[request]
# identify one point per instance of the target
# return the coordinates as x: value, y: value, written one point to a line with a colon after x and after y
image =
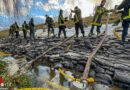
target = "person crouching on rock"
x: 78, y: 21
x: 50, y: 23
x: 32, y: 31
x: 100, y: 11
x: 16, y: 29
x: 25, y: 28
x: 61, y: 24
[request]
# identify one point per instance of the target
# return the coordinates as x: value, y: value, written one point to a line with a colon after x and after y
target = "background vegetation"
x: 16, y: 81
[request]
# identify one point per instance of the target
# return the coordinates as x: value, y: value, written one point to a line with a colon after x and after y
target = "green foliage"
x: 19, y: 81
x: 2, y: 67
x: 22, y: 81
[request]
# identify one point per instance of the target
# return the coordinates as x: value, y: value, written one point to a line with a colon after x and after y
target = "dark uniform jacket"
x: 77, y: 16
x: 50, y: 22
x: 126, y: 6
x: 25, y: 27
x: 61, y: 20
x: 31, y: 26
x: 16, y: 27
x: 11, y: 30
x: 100, y: 11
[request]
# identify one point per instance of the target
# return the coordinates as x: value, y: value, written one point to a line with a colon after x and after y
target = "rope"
x: 24, y: 58
x: 68, y: 48
x: 115, y: 33
x: 90, y: 80
x: 35, y: 89
x: 50, y: 49
x: 55, y: 85
x: 7, y: 55
x: 87, y: 68
x: 4, y: 54
x: 41, y: 34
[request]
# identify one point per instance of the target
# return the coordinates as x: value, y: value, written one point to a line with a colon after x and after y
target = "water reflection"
x: 48, y: 77
x: 51, y: 73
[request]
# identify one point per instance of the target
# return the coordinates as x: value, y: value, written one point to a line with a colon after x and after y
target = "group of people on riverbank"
x: 14, y: 29
x: 100, y: 11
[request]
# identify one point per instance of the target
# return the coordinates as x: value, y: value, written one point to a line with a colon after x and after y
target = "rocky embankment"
x: 111, y: 65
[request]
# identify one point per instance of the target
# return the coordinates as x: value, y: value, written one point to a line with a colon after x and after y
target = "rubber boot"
x: 83, y: 35
x: 90, y: 34
x: 98, y: 34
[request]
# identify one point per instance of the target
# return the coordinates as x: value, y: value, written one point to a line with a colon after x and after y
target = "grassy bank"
x: 70, y: 23
x: 16, y: 81
x: 4, y: 33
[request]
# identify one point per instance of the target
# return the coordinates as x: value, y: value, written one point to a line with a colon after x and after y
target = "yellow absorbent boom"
x: 90, y: 80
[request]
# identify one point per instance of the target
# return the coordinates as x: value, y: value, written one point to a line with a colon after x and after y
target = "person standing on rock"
x: 25, y: 28
x: 11, y: 30
x: 16, y: 29
x: 50, y: 23
x: 61, y: 24
x: 100, y: 11
x: 32, y: 31
x: 126, y: 17
x: 78, y: 21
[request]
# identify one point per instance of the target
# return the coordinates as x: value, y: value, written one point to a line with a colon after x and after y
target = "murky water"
x: 48, y: 77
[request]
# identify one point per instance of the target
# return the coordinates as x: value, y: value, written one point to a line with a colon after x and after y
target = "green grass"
x: 87, y: 22
x: 16, y: 81
x: 3, y: 65
x: 4, y: 33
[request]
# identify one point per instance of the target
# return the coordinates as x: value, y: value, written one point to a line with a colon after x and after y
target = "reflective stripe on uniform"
x: 16, y: 29
x: 121, y: 19
x: 24, y: 28
x: 99, y: 11
x: 77, y: 20
x: 97, y: 24
x: 61, y: 19
x: 127, y: 17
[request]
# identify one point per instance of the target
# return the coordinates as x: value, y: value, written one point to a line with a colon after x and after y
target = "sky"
x: 39, y: 8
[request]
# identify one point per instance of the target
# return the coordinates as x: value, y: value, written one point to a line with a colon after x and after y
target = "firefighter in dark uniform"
x: 16, y: 29
x: 25, y: 28
x: 61, y: 24
x: 32, y: 30
x: 11, y: 30
x: 78, y: 21
x: 126, y: 17
x: 100, y: 11
x: 50, y: 23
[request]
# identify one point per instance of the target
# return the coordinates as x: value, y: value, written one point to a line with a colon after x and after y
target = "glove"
x: 65, y: 26
x: 114, y: 11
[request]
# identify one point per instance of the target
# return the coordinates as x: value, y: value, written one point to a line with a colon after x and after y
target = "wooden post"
x: 43, y: 54
x: 87, y: 68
